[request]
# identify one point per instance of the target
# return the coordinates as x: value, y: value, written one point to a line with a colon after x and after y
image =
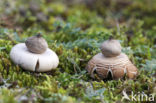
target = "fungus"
x: 113, y: 61
x: 36, y: 44
x: 110, y: 48
x: 34, y: 55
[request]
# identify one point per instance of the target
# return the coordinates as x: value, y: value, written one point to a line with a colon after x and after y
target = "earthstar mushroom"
x: 34, y: 55
x: 111, y: 60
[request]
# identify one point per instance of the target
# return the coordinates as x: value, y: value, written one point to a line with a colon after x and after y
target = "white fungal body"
x: 34, y: 62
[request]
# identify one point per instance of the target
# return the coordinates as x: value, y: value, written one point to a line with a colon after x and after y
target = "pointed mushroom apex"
x: 36, y: 44
x: 111, y: 37
x: 39, y: 35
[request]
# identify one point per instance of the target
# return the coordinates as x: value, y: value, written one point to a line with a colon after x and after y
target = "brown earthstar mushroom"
x: 111, y: 60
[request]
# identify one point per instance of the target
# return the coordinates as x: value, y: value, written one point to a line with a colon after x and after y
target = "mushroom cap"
x: 36, y: 44
x: 118, y: 66
x: 111, y: 48
x: 34, y: 62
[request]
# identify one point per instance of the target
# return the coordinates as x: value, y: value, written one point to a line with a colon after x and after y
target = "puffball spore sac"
x: 36, y: 44
x: 111, y: 48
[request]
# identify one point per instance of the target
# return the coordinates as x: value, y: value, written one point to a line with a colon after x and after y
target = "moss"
x: 75, y: 32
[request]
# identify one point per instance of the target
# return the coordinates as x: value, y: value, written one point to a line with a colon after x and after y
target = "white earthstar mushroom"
x: 44, y: 62
x: 34, y: 55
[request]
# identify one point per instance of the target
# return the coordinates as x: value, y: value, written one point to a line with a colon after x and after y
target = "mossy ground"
x: 74, y: 30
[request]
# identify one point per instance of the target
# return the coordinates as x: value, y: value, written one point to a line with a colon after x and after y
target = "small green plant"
x: 74, y: 30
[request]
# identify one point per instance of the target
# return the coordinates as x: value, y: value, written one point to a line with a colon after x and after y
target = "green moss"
x: 75, y: 33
